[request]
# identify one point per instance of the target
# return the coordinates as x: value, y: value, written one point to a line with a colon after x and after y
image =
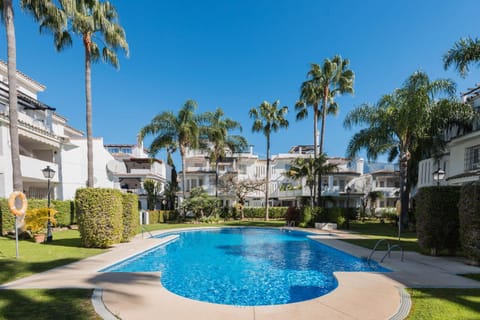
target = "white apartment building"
x: 46, y: 139
x: 132, y: 165
x: 284, y: 191
x: 461, y: 159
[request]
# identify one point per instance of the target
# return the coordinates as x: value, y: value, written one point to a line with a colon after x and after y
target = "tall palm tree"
x: 172, y: 131
x: 308, y: 169
x: 324, y: 83
x: 96, y: 22
x: 401, y: 122
x: 217, y: 132
x: 463, y: 53
x: 7, y: 17
x: 268, y: 118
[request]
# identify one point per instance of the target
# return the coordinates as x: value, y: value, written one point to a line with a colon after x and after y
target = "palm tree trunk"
x: 12, y: 97
x: 88, y: 103
x: 267, y: 185
x: 216, y: 179
x: 315, y: 150
x: 403, y: 222
x: 322, y: 134
x: 182, y: 155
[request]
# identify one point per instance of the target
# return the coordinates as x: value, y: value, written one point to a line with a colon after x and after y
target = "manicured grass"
x: 252, y: 223
x: 474, y: 276
x: 37, y: 257
x: 451, y: 304
x: 374, y: 230
x: 46, y: 304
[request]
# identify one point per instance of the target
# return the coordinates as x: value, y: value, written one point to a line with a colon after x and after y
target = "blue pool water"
x: 245, y: 266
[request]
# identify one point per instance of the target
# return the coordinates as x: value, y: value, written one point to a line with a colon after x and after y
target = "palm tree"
x: 324, y: 84
x: 7, y: 17
x: 308, y: 169
x: 91, y: 20
x: 463, y: 53
x: 172, y: 131
x: 267, y: 118
x: 401, y: 122
x: 217, y: 132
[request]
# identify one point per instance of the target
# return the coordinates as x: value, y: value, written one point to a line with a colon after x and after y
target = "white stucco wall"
x: 74, y: 167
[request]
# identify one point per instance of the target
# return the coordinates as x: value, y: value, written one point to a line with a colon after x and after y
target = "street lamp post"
x: 348, y: 207
x: 48, y: 173
x: 438, y: 175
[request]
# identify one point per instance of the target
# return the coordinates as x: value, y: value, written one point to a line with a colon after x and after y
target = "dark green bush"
x: 437, y: 218
x: 99, y: 216
x: 469, y: 216
x: 7, y: 220
x: 259, y: 212
x: 333, y: 215
x: 293, y: 214
x: 130, y: 216
x: 307, y: 217
x: 65, y: 212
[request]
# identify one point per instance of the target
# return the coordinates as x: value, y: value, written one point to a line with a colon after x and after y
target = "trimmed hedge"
x: 65, y: 212
x: 99, y: 216
x: 7, y: 220
x: 273, y: 212
x: 469, y: 216
x: 162, y: 216
x: 437, y: 218
x: 334, y: 215
x: 130, y: 216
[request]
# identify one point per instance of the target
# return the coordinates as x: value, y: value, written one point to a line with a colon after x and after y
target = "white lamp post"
x: 48, y: 173
x: 438, y: 175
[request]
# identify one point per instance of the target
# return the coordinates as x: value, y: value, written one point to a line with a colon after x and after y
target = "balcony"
x: 32, y: 168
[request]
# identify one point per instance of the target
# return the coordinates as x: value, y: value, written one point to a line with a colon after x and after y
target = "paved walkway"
x: 360, y: 295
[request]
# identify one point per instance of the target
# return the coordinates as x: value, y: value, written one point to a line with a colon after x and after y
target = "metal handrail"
x: 390, y: 249
x: 144, y: 230
x: 375, y: 248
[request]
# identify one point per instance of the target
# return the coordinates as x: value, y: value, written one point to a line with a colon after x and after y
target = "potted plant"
x: 36, y: 222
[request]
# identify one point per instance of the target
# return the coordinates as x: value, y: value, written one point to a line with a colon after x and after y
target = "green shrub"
x: 65, y: 212
x: 469, y: 216
x: 332, y: 215
x: 437, y: 218
x: 99, y: 216
x: 130, y: 216
x: 307, y: 217
x: 7, y: 219
x: 259, y: 212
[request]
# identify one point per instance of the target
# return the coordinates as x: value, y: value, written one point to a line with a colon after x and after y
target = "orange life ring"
x: 11, y: 203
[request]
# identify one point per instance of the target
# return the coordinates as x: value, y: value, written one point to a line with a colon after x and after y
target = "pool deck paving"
x: 359, y: 295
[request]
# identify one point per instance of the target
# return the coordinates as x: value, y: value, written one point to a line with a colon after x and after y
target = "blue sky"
x: 236, y: 54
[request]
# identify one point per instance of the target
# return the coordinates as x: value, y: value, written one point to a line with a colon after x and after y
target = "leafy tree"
x: 200, y: 203
x: 230, y: 184
x: 324, y: 83
x: 404, y: 121
x: 171, y: 188
x: 175, y: 131
x: 463, y: 53
x: 217, y: 132
x: 308, y: 169
x: 152, y: 189
x: 374, y: 196
x: 96, y: 22
x: 267, y: 118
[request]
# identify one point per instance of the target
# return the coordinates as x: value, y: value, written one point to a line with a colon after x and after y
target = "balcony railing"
x: 32, y: 168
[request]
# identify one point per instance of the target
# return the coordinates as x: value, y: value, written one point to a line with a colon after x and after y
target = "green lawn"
x: 374, y: 230
x: 37, y: 257
x: 75, y: 304
x: 448, y: 304
x: 40, y: 304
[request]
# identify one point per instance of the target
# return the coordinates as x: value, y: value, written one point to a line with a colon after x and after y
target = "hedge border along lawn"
x: 40, y: 304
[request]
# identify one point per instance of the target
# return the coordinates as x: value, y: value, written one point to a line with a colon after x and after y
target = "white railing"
x: 32, y: 168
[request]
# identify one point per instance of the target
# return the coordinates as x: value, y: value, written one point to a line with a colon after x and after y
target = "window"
x: 472, y: 158
x: 126, y: 150
x: 113, y: 150
x: 382, y: 184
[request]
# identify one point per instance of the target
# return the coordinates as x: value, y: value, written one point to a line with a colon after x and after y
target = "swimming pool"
x: 245, y: 266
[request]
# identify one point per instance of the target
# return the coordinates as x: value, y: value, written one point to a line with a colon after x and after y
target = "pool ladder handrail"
x: 389, y: 249
x: 145, y: 230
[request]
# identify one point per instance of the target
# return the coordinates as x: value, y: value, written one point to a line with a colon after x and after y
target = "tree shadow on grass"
x: 15, y: 269
x: 42, y: 304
